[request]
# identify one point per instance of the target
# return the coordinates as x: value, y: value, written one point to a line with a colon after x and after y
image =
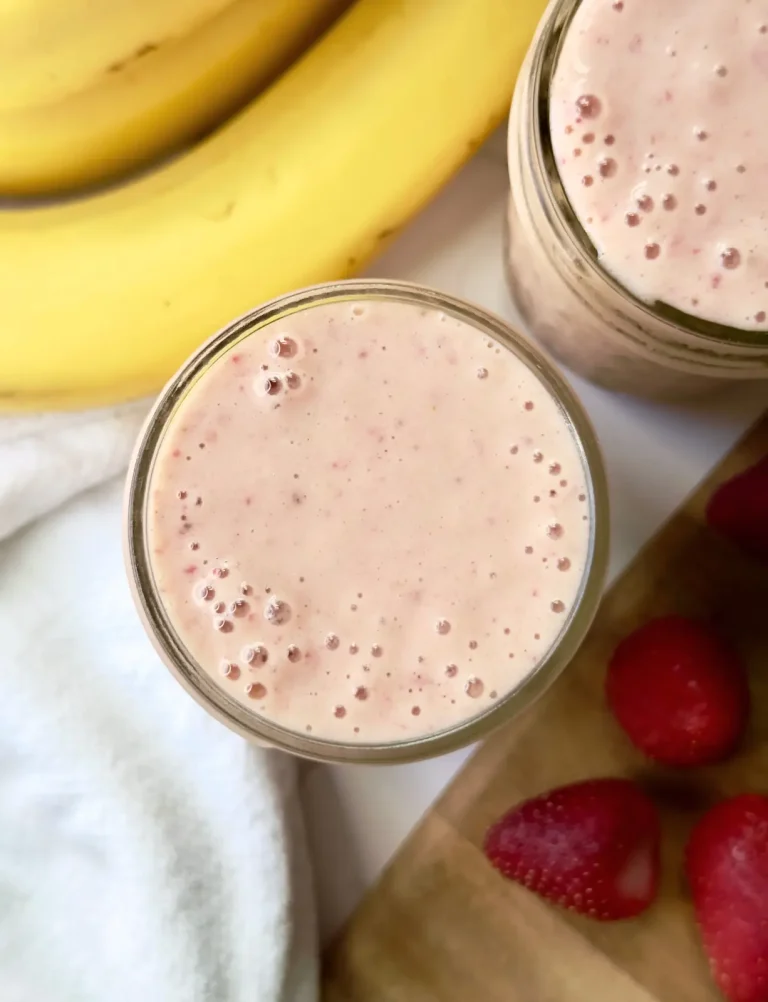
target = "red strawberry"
x: 591, y: 847
x: 679, y: 692
x: 727, y: 867
x: 739, y: 509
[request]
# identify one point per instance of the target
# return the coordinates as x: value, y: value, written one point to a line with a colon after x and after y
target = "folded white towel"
x: 146, y: 853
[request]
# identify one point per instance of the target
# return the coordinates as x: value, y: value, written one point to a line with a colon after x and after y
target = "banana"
x: 101, y: 299
x: 91, y: 90
x: 51, y: 49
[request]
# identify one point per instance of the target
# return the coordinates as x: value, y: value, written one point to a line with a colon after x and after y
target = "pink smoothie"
x: 657, y: 112
x: 368, y: 522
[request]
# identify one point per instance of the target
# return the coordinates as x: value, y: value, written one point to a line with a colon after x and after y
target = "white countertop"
x: 655, y: 454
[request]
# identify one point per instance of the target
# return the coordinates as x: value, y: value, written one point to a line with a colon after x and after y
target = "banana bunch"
x: 90, y: 89
x: 101, y: 298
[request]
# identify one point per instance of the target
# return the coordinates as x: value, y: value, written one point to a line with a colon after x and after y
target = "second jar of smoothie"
x: 638, y: 220
x: 366, y: 522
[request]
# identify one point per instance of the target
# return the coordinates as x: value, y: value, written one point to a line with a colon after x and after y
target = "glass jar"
x: 199, y: 682
x: 567, y: 299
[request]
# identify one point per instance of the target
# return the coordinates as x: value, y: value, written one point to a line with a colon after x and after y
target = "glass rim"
x: 203, y: 687
x: 544, y: 56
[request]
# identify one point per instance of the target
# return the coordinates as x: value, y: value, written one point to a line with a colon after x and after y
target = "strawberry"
x: 679, y: 692
x: 591, y: 847
x: 727, y: 867
x: 739, y: 510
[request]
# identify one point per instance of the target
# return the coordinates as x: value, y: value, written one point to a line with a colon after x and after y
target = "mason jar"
x: 571, y: 303
x: 304, y: 327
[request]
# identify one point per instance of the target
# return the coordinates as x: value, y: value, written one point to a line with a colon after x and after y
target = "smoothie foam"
x: 368, y: 522
x: 657, y: 124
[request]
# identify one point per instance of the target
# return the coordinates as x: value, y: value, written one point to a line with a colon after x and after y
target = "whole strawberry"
x: 739, y: 510
x: 679, y: 692
x: 727, y: 867
x: 591, y: 847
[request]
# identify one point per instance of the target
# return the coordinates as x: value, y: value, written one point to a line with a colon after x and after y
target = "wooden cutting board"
x: 442, y: 926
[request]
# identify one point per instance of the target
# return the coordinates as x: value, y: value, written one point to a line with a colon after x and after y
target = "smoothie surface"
x: 368, y: 522
x: 657, y: 115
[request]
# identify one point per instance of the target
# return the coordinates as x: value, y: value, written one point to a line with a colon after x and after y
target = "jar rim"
x: 197, y: 681
x: 544, y: 56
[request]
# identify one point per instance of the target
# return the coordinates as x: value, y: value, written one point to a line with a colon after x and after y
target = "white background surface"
x: 655, y: 454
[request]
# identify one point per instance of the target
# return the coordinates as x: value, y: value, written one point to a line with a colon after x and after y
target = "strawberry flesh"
x: 591, y: 847
x: 679, y: 692
x: 739, y: 510
x: 727, y: 868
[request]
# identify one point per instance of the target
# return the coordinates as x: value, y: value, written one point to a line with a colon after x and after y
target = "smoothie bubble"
x: 588, y: 106
x: 269, y: 386
x: 276, y: 611
x: 474, y: 688
x: 230, y: 670
x: 255, y: 656
x: 283, y: 347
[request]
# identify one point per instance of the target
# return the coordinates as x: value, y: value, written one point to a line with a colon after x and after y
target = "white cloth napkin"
x: 146, y: 853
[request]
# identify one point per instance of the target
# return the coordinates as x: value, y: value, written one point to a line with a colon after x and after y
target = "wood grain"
x: 442, y: 926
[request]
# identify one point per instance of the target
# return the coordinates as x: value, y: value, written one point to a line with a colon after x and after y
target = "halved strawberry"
x: 591, y: 847
x: 739, y: 510
x: 727, y: 867
x: 679, y: 691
